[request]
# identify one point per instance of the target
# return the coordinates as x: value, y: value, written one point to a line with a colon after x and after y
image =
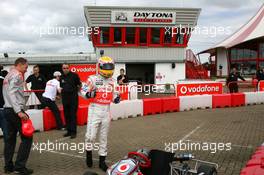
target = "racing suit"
x: 99, y: 110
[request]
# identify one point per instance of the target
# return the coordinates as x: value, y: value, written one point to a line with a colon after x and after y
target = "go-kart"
x: 156, y: 162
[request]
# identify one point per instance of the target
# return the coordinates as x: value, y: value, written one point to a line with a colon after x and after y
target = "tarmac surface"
x: 236, y: 132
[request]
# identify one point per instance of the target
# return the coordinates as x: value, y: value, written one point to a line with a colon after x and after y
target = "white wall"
x: 222, y: 60
x: 143, y: 54
x: 168, y: 74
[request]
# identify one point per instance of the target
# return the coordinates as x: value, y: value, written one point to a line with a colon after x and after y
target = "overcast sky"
x: 22, y: 21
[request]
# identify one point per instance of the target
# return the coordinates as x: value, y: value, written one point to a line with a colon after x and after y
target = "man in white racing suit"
x: 101, y: 88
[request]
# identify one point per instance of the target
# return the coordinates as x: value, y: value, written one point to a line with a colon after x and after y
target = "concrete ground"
x: 240, y: 129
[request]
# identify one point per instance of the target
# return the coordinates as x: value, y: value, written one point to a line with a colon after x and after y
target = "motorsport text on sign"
x: 143, y: 17
x: 199, y: 89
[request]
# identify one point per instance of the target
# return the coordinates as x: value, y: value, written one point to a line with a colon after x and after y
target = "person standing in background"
x: 232, y: 80
x: 49, y: 97
x: 38, y: 82
x: 14, y: 112
x: 122, y: 78
x: 259, y: 76
x: 71, y: 84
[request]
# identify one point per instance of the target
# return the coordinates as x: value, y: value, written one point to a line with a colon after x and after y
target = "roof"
x: 100, y: 16
x: 50, y: 58
x: 253, y: 29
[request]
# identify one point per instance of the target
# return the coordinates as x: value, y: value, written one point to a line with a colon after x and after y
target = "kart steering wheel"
x: 143, y: 160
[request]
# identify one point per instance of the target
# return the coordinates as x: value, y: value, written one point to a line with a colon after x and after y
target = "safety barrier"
x: 170, y: 104
x: 238, y: 99
x: 82, y: 115
x: 36, y: 117
x: 117, y: 111
x: 253, y: 98
x: 255, y: 166
x: 133, y: 108
x: 49, y: 121
x: 195, y: 102
x: 221, y: 100
x: 152, y: 106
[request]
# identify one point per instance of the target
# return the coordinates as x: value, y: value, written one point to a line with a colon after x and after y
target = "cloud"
x: 21, y: 21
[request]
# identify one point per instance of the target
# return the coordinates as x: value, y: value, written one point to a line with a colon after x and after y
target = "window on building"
x: 261, y: 50
x: 143, y: 35
x: 234, y: 54
x: 240, y: 54
x: 118, y: 35
x: 155, y: 36
x: 179, y: 36
x: 104, y: 35
x: 246, y: 68
x: 168, y: 36
x: 130, y: 35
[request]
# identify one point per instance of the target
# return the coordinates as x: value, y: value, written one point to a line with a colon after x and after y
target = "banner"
x: 143, y: 17
x: 84, y: 71
x: 198, y: 89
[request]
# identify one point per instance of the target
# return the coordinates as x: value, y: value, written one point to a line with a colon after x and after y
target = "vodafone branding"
x: 83, y: 69
x: 199, y: 89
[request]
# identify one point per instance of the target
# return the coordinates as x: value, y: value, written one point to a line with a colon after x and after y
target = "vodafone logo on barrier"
x: 199, y: 89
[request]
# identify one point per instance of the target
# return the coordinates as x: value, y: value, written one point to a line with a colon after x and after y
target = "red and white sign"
x: 143, y: 17
x: 199, y: 89
x: 84, y: 71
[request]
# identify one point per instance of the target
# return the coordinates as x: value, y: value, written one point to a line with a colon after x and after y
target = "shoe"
x: 24, y: 171
x: 9, y: 170
x: 102, y: 164
x: 89, y: 159
x: 67, y: 135
x: 73, y: 136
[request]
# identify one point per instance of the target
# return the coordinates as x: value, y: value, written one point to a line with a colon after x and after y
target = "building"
x: 145, y: 41
x: 48, y: 62
x: 243, y: 50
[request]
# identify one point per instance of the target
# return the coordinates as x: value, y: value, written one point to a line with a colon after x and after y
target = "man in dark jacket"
x: 232, y: 80
x: 70, y: 84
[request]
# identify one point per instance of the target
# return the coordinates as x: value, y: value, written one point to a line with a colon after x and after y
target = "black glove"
x: 90, y: 94
x: 117, y: 99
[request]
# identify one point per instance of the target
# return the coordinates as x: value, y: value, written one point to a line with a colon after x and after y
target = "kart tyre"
x: 90, y: 173
x: 206, y: 170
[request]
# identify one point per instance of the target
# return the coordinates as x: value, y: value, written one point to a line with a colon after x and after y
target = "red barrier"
x: 49, y: 121
x: 152, y: 106
x: 238, y: 99
x: 82, y: 115
x: 261, y: 85
x: 221, y: 100
x: 170, y: 104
